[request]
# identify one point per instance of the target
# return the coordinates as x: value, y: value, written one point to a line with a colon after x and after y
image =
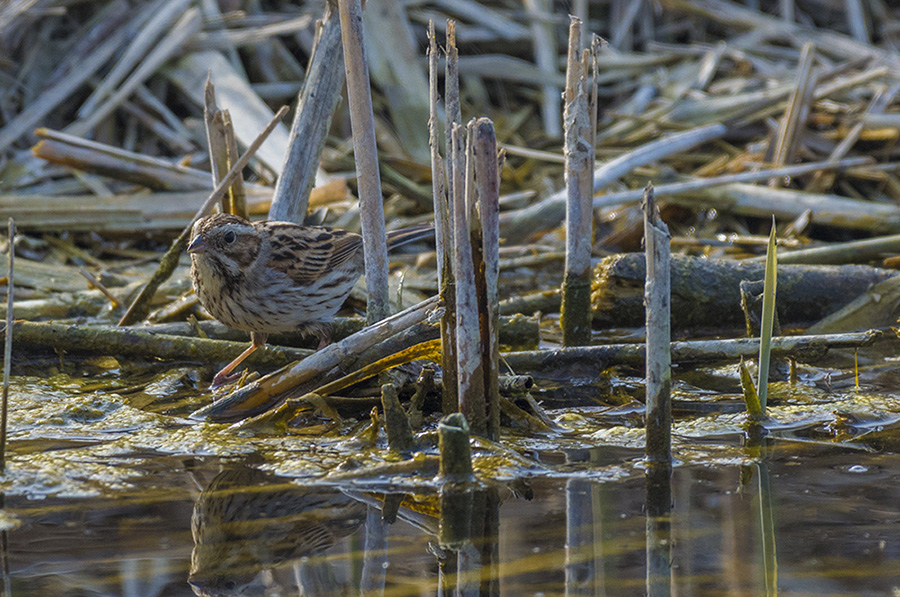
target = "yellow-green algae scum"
x: 77, y: 438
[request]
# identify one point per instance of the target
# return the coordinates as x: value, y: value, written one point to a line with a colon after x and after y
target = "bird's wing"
x: 306, y: 253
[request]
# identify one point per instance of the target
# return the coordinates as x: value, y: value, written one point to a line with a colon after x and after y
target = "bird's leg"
x: 257, y: 340
x: 322, y: 331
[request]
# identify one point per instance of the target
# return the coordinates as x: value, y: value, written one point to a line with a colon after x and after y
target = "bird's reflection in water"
x: 247, y: 521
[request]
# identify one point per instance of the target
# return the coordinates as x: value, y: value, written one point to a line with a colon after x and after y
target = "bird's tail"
x: 411, y: 234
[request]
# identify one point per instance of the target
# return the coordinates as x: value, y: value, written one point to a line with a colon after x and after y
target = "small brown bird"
x: 265, y: 277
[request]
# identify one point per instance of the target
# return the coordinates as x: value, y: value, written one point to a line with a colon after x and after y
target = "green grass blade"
x: 768, y: 319
x: 751, y: 397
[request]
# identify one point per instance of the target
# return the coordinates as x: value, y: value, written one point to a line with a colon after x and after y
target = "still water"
x: 110, y: 490
x: 809, y: 521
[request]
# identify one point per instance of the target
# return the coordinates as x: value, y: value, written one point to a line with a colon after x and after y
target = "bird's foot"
x: 222, y: 378
x: 322, y: 331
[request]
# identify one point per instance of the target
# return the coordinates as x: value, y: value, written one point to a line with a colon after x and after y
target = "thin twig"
x: 7, y: 346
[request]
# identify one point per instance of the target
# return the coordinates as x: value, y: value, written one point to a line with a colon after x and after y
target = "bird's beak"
x: 198, y: 245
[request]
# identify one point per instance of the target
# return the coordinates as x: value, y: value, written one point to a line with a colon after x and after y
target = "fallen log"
x: 706, y: 292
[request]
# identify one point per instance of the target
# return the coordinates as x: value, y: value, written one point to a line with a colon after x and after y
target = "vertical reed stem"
x: 579, y: 150
x: 487, y: 265
x: 468, y: 335
x: 443, y: 219
x: 223, y: 151
x: 362, y: 122
x: 657, y: 299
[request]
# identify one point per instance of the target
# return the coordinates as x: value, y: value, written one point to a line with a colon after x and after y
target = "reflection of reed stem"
x: 659, y: 529
x: 767, y: 526
x: 581, y: 571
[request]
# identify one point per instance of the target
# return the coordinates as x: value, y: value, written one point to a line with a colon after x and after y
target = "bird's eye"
x: 230, y: 236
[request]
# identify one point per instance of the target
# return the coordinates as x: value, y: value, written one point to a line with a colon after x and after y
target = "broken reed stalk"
x: 140, y: 307
x: 7, y: 345
x: 576, y: 289
x: 396, y: 423
x: 469, y: 366
x: 179, y: 340
x: 222, y: 151
x: 487, y: 264
x: 456, y: 457
x: 283, y: 383
x: 425, y: 385
x: 597, y: 46
x: 657, y: 297
x: 365, y: 150
x: 317, y: 101
x: 443, y: 232
x: 599, y: 357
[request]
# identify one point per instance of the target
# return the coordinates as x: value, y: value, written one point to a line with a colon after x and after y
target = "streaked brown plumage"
x: 265, y: 277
